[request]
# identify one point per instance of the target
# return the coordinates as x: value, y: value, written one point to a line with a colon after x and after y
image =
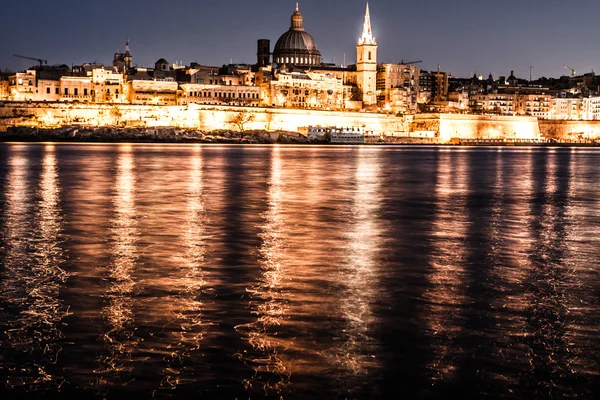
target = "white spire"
x: 367, y: 35
x: 297, y: 7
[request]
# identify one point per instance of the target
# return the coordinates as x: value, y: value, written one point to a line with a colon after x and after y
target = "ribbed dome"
x: 296, y: 46
x: 296, y: 41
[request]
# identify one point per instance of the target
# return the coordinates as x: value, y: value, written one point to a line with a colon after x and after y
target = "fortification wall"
x: 570, y: 130
x: 440, y: 128
x: 201, y: 117
x: 448, y: 126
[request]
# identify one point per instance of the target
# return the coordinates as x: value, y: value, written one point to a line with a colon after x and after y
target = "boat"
x: 337, y: 135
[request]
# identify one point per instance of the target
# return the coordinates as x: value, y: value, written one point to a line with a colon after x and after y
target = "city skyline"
x: 515, y: 37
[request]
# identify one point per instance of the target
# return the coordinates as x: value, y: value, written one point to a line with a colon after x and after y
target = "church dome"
x: 296, y: 46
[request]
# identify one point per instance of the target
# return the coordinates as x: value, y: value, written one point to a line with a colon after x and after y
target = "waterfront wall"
x: 570, y: 130
x: 201, y: 117
x: 445, y: 127
x: 438, y: 128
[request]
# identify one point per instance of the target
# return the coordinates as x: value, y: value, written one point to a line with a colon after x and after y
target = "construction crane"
x: 573, y: 73
x: 409, y: 62
x: 39, y: 60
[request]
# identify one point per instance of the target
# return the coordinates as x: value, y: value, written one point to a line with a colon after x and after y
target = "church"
x: 298, y: 77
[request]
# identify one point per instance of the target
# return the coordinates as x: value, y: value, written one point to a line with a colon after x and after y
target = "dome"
x: 296, y: 46
x: 300, y: 41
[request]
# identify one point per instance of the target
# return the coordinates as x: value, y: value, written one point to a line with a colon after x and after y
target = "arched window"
x: 369, y: 56
x: 287, y: 60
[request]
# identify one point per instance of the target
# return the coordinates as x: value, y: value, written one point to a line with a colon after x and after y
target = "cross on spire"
x: 367, y: 35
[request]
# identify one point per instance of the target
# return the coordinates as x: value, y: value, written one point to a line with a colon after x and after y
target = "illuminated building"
x: 398, y: 87
x: 366, y: 63
x: 4, y: 93
x: 108, y: 85
x: 433, y: 86
x: 300, y: 80
x: 307, y: 89
x: 162, y: 93
x: 512, y: 101
x: 76, y: 88
x: 576, y: 108
x: 296, y: 46
x: 22, y: 86
x: 194, y: 93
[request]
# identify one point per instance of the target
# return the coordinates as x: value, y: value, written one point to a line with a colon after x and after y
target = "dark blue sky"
x: 463, y: 36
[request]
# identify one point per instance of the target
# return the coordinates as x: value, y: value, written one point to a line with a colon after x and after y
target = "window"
x: 66, y: 91
x: 56, y: 91
x: 107, y: 91
x: 85, y: 91
x: 47, y: 90
x: 369, y: 56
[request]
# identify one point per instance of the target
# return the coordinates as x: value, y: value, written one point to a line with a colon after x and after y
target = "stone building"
x: 575, y: 108
x: 108, y: 85
x: 366, y: 63
x: 433, y: 86
x: 308, y: 89
x: 512, y: 103
x: 152, y: 92
x: 163, y: 71
x: 22, y: 86
x: 123, y: 61
x: 239, y: 95
x: 296, y: 53
x: 296, y: 46
x: 48, y: 90
x: 4, y: 93
x: 398, y: 87
x: 76, y: 88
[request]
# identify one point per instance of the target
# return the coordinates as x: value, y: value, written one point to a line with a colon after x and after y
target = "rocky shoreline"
x: 148, y: 135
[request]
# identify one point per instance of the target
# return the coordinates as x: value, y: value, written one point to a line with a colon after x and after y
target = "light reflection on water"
x: 446, y: 294
x: 357, y: 352
x: 32, y: 275
x: 267, y: 300
x: 120, y: 337
x: 299, y: 272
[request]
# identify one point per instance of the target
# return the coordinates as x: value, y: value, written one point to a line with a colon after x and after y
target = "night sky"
x: 466, y: 36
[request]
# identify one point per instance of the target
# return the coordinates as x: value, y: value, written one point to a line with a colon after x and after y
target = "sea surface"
x: 202, y: 271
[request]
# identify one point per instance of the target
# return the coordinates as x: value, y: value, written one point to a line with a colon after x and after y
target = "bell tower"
x: 366, y: 63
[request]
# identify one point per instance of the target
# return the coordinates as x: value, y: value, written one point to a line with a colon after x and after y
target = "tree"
x: 116, y: 114
x: 240, y: 120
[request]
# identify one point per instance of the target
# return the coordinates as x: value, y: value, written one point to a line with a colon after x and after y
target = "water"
x: 298, y: 272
